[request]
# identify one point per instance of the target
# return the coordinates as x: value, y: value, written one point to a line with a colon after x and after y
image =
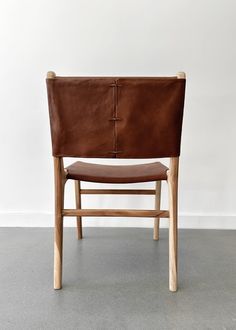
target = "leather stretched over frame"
x: 117, y: 173
x: 109, y: 117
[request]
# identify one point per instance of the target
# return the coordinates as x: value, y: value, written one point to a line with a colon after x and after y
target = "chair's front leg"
x: 157, y: 207
x: 172, y: 180
x: 58, y: 229
x: 78, y: 206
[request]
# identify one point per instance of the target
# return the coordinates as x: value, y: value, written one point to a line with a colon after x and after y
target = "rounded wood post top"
x: 51, y: 75
x: 181, y: 75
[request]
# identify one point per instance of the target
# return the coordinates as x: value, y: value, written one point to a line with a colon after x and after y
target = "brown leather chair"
x: 116, y: 117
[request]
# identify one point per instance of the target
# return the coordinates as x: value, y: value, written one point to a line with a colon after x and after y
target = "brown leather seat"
x: 117, y: 173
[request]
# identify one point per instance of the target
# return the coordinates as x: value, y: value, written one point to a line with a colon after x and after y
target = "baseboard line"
x: 45, y: 219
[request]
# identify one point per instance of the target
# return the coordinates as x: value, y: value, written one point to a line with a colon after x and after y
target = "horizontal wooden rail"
x: 118, y: 191
x: 115, y: 213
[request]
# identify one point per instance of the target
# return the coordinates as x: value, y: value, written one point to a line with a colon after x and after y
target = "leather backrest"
x: 124, y: 117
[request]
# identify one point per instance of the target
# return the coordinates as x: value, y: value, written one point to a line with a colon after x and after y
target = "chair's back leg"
x: 157, y: 207
x: 58, y: 229
x: 78, y: 206
x: 172, y: 179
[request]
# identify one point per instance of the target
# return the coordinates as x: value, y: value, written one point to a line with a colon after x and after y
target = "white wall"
x: 123, y: 37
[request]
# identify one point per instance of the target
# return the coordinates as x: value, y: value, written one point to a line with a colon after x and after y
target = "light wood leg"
x: 78, y: 206
x: 173, y: 223
x: 58, y: 230
x: 157, y: 207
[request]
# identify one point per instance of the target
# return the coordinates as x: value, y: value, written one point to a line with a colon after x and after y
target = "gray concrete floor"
x: 117, y: 278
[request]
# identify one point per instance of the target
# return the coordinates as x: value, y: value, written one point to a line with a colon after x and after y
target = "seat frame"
x: 60, y: 176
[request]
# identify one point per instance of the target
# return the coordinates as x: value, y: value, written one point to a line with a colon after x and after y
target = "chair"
x: 116, y: 117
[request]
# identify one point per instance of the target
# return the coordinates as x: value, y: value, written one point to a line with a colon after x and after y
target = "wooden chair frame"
x: 157, y: 213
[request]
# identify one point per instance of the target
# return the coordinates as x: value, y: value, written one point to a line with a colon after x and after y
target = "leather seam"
x: 115, y: 117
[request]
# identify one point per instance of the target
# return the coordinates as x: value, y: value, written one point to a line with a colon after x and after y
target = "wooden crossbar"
x: 118, y: 191
x: 115, y: 213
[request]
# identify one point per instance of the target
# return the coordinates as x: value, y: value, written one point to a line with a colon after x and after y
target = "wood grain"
x: 78, y: 206
x: 157, y: 207
x: 59, y: 180
x: 115, y: 213
x: 118, y: 191
x: 172, y: 179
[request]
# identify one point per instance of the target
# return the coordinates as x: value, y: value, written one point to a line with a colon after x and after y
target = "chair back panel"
x: 107, y: 117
